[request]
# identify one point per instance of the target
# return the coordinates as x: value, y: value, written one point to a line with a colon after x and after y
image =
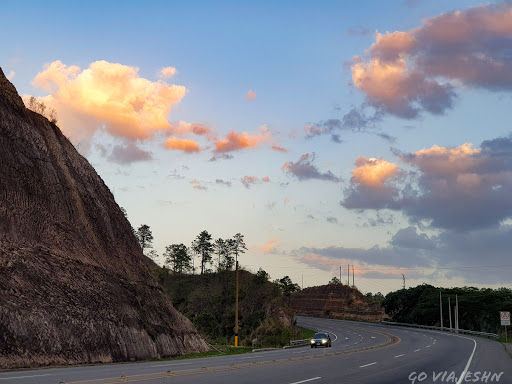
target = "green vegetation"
x: 479, y: 309
x: 208, y: 300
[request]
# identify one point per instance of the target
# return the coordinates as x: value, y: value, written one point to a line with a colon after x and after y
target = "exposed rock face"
x: 335, y: 301
x: 74, y: 284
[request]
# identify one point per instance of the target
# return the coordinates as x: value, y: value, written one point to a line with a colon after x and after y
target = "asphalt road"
x: 360, y: 353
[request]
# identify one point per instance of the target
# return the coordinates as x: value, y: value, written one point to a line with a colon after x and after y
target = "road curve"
x: 360, y: 353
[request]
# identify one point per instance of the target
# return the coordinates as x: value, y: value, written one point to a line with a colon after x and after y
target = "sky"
x: 371, y: 134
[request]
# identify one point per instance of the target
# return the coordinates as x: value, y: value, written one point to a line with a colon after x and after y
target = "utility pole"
x: 236, y: 308
x: 340, y: 275
x: 403, y: 277
x: 348, y: 275
x: 353, y: 281
x: 302, y: 281
x: 441, y: 307
x: 450, y: 313
x: 457, y: 313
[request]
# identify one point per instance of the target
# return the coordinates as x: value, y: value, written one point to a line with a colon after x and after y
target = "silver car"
x: 321, y: 340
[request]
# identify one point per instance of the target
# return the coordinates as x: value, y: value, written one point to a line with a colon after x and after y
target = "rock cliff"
x: 74, y: 284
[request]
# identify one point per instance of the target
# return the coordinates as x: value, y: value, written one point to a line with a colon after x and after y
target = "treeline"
x: 479, y: 309
x: 180, y: 259
x: 41, y: 108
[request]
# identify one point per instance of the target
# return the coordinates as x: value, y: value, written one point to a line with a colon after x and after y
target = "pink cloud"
x: 107, y: 95
x: 198, y: 185
x: 249, y: 96
x: 167, y: 72
x: 373, y: 172
x: 248, y: 181
x: 266, y: 179
x: 401, y: 72
x: 236, y: 141
x: 270, y: 246
x: 184, y: 145
x: 279, y: 149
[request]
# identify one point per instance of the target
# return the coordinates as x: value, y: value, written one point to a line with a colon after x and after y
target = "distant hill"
x: 336, y: 301
x: 74, y: 284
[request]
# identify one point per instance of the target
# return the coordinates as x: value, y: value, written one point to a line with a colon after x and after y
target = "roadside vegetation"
x: 479, y: 309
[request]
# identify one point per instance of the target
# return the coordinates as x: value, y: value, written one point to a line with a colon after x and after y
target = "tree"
x: 177, y: 257
x: 153, y: 255
x: 261, y: 276
x: 287, y: 285
x: 334, y: 281
x: 228, y: 259
x: 239, y: 245
x: 220, y: 250
x: 144, y: 237
x: 203, y: 246
x: 40, y: 107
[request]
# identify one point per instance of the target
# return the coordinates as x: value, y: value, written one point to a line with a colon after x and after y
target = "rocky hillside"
x: 74, y: 284
x: 336, y: 301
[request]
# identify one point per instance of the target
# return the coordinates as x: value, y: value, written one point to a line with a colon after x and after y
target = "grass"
x: 224, y: 351
x: 306, y: 333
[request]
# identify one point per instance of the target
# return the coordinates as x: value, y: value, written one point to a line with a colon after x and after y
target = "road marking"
x: 367, y: 365
x: 305, y: 381
x: 250, y: 357
x: 428, y: 346
x: 300, y: 352
x: 23, y: 377
x: 399, y: 355
x: 462, y: 377
x: 417, y: 350
x: 165, y: 365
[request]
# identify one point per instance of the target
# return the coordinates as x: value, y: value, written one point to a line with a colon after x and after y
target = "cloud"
x: 183, y: 128
x: 279, y: 149
x: 221, y: 156
x: 188, y: 146
x: 107, y: 96
x: 222, y: 182
x: 167, y: 72
x: 332, y: 220
x: 406, y: 73
x: 373, y: 173
x: 270, y: 246
x: 124, y: 153
x: 249, y: 96
x: 459, y: 188
x: 304, y: 169
x: 248, y: 181
x: 265, y: 179
x: 447, y: 255
x: 236, y: 141
x: 11, y: 75
x: 358, y: 31
x: 355, y: 120
x: 198, y: 185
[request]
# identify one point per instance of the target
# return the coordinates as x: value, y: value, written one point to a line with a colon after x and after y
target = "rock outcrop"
x: 336, y: 301
x: 74, y: 284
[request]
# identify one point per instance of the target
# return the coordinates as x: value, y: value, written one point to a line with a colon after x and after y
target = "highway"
x: 360, y: 353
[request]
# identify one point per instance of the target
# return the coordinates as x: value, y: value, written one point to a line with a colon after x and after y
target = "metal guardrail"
x: 299, y: 342
x: 465, y: 331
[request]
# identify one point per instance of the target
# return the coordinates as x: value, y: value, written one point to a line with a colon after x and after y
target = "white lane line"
x: 250, y: 357
x: 367, y: 365
x: 305, y: 381
x: 23, y: 377
x: 463, y: 376
x: 399, y: 355
x: 417, y: 350
x: 299, y: 352
x: 428, y: 346
x: 165, y: 365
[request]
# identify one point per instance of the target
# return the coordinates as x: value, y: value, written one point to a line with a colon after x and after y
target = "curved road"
x: 360, y: 353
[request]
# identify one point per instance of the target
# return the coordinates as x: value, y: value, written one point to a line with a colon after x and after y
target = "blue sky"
x: 327, y: 81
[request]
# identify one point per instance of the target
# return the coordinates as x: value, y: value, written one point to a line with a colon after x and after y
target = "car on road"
x: 321, y: 339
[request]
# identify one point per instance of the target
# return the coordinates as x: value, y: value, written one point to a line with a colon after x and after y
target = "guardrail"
x: 299, y: 342
x: 465, y: 331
